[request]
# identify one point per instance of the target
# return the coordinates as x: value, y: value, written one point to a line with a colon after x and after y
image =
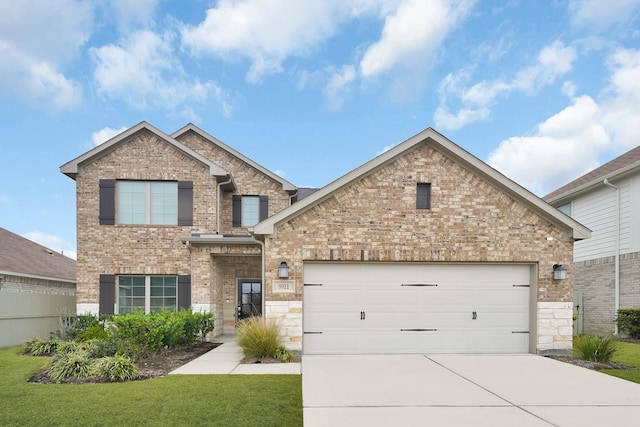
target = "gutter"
x: 616, y: 290
x: 218, y: 202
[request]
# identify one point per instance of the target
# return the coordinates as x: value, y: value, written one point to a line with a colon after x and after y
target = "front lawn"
x: 216, y: 400
x: 629, y: 354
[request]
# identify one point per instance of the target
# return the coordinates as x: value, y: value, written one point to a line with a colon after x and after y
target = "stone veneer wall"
x: 470, y: 220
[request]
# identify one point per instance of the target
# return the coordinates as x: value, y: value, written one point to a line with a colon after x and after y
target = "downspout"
x: 218, y: 202
x: 616, y: 290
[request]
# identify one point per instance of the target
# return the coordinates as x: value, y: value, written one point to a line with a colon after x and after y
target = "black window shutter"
x: 184, y: 291
x: 264, y: 207
x: 423, y: 199
x: 107, y: 202
x: 107, y: 293
x: 185, y: 203
x: 237, y: 211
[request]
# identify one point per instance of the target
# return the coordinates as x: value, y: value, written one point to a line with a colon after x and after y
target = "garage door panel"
x: 466, y: 308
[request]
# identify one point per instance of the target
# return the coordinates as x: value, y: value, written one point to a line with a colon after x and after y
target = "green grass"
x: 175, y: 400
x: 629, y: 354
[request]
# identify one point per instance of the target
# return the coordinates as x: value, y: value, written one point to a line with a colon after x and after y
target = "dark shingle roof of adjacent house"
x: 617, y: 166
x: 24, y: 257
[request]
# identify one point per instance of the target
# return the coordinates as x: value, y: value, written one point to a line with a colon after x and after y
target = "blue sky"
x: 543, y: 91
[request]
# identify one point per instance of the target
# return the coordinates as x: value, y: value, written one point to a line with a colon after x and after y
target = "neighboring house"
x: 37, y: 286
x: 423, y: 249
x: 607, y: 266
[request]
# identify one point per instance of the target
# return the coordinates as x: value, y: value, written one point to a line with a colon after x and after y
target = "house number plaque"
x: 283, y: 286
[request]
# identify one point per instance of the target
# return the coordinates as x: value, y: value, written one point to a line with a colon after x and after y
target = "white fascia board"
x: 286, y: 185
x: 33, y: 276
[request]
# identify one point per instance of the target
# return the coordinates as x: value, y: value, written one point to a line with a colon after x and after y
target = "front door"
x: 249, y: 298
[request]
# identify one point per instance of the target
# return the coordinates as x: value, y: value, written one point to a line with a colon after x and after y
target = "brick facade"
x: 159, y: 249
x: 595, y: 280
x: 470, y: 220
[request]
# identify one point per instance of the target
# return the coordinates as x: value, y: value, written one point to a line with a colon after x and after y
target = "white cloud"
x: 597, y: 15
x: 105, y: 134
x: 266, y: 33
x: 36, y: 41
x: 552, y: 62
x: 338, y: 87
x: 621, y: 114
x: 564, y: 147
x: 144, y: 72
x: 412, y: 33
x: 131, y: 14
x: 52, y: 242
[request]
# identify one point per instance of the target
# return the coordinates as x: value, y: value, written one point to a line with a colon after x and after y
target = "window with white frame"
x: 147, y: 293
x: 147, y: 202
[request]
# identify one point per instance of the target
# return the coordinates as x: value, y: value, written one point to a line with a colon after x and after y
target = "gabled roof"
x: 23, y: 257
x: 71, y: 168
x: 286, y: 185
x: 429, y: 136
x: 626, y: 163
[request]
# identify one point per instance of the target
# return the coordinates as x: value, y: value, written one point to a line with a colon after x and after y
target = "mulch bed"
x: 156, y: 364
x: 596, y: 366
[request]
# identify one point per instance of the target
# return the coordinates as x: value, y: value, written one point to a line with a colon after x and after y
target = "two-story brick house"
x: 423, y: 249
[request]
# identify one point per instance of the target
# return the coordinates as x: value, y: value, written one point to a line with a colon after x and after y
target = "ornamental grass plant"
x: 258, y: 337
x: 594, y: 348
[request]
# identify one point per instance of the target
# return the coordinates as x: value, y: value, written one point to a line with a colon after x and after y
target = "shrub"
x: 283, y: 355
x: 72, y: 325
x: 41, y: 347
x: 74, y: 364
x: 257, y: 337
x: 595, y: 349
x: 629, y: 321
x: 100, y: 348
x: 93, y: 332
x: 115, y: 368
x: 196, y: 325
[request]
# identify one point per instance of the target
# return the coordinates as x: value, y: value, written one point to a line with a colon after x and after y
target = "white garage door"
x: 415, y: 308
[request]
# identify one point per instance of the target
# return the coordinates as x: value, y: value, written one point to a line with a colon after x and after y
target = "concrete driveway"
x: 462, y: 390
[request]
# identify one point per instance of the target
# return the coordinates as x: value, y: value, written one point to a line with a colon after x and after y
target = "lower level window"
x: 147, y: 293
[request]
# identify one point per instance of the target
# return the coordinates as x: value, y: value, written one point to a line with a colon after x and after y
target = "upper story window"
x: 249, y: 210
x: 423, y: 196
x: 147, y: 202
x: 565, y: 209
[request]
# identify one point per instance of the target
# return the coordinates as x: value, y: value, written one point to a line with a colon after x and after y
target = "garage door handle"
x: 474, y: 315
x: 418, y: 330
x: 362, y: 315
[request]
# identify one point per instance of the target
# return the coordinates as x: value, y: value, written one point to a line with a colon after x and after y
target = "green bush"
x: 595, y: 349
x: 283, y: 355
x: 115, y: 368
x: 629, y: 321
x: 71, y: 325
x: 73, y: 364
x: 93, y: 332
x: 41, y: 347
x: 100, y: 348
x: 257, y: 337
x: 138, y: 334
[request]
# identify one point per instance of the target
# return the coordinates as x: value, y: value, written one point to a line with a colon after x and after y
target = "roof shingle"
x: 22, y: 256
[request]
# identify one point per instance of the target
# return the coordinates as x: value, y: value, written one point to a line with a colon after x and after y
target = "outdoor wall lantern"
x: 559, y: 272
x: 283, y: 270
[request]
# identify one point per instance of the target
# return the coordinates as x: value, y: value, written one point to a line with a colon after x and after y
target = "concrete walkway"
x: 462, y: 390
x: 225, y: 359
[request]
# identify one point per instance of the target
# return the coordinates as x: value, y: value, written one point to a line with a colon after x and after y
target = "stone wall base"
x: 288, y: 316
x: 555, y: 328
